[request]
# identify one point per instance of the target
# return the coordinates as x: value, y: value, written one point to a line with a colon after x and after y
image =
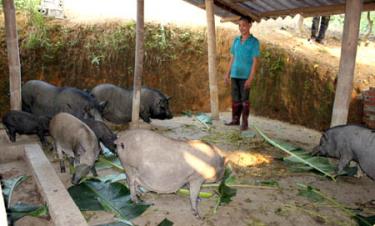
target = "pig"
x: 164, y: 165
x: 25, y: 123
x: 43, y: 99
x: 77, y: 141
x: 349, y: 142
x: 154, y: 104
x: 103, y: 133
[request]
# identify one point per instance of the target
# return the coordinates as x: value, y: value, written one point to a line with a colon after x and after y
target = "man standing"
x: 241, y: 71
x: 324, y: 20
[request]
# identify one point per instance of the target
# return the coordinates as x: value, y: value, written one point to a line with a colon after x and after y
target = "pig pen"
x: 254, y: 164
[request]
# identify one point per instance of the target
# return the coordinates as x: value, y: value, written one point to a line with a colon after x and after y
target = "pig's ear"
x: 102, y: 105
x: 168, y: 97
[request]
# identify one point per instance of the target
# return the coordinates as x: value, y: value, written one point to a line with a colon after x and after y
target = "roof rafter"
x: 315, y: 11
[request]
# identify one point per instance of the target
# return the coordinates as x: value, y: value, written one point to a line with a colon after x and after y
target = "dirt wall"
x: 287, y: 87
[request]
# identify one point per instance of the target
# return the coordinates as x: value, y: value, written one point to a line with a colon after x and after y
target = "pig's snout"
x: 80, y: 172
x: 315, y: 150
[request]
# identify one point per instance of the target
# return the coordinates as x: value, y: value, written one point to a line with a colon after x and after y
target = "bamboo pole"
x: 13, y: 55
x: 138, y: 68
x: 214, y: 97
x: 347, y: 62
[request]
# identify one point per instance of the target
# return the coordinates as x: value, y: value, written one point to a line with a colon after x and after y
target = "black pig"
x: 25, y: 123
x: 103, y: 133
x: 154, y: 104
x: 349, y: 142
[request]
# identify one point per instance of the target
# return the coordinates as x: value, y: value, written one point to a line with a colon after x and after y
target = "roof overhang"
x: 229, y: 10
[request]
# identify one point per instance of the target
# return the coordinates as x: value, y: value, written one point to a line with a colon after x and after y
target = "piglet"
x: 25, y: 123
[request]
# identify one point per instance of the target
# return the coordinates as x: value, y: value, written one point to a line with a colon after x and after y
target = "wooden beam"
x: 347, y: 62
x: 13, y: 55
x: 315, y: 11
x: 225, y: 4
x: 230, y: 19
x: 211, y: 36
x: 138, y: 67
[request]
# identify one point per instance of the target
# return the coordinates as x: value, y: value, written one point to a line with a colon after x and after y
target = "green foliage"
x: 337, y: 21
x: 23, y: 4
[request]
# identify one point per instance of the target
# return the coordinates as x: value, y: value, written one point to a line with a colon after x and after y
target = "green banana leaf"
x: 94, y: 195
x: 20, y: 210
x: 113, y: 177
x: 298, y: 155
x: 165, y: 222
x: 226, y: 193
x: 364, y: 221
x: 109, y: 162
x: 318, y: 196
x: 114, y: 224
x: 9, y: 185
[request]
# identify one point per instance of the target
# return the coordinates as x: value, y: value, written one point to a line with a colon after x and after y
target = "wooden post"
x: 138, y: 68
x: 214, y: 97
x: 347, y: 62
x: 13, y: 55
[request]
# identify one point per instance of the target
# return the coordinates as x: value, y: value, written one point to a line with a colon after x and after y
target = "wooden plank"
x: 211, y: 36
x: 13, y: 55
x: 347, y: 62
x: 3, y: 213
x: 138, y: 68
x: 61, y: 206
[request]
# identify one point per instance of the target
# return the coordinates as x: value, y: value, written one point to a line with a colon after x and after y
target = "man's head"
x: 244, y: 25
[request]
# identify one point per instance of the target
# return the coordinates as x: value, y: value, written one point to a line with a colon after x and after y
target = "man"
x: 241, y: 71
x: 324, y: 20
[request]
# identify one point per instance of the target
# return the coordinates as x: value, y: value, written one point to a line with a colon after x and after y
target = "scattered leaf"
x: 226, y: 193
x: 166, y: 222
x: 270, y: 183
x: 109, y: 162
x: 202, y: 194
x: 94, y: 195
x: 20, y: 210
x: 310, y: 193
x: 204, y: 118
x: 364, y: 221
x: 9, y: 185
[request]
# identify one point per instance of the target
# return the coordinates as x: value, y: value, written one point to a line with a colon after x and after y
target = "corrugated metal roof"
x: 265, y: 9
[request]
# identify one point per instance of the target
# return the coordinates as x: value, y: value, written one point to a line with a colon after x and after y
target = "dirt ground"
x: 254, y: 162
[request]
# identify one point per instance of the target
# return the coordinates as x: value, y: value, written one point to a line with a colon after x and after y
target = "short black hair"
x: 246, y: 18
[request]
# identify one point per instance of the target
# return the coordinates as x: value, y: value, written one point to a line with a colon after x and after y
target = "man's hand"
x: 226, y: 79
x: 248, y: 83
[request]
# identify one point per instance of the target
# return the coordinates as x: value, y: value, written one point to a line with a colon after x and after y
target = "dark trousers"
x: 239, y: 93
x: 324, y: 20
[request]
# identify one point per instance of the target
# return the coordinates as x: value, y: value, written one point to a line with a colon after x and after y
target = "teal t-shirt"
x: 243, y: 54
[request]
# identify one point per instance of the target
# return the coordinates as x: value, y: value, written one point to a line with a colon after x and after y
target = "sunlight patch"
x: 246, y: 159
